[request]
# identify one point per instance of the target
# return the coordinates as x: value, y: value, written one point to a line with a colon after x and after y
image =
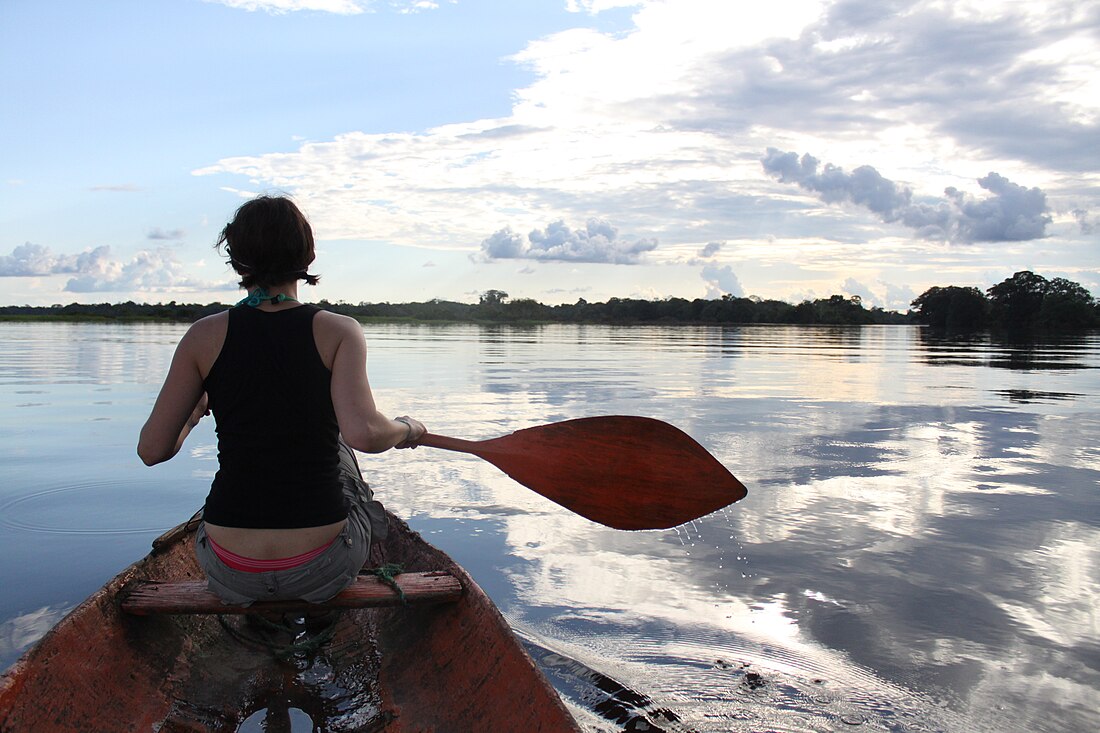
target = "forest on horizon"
x: 1025, y: 301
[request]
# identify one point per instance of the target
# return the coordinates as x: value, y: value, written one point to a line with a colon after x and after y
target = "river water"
x: 919, y: 549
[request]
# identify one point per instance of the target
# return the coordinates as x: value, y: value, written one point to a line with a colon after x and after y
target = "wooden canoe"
x: 451, y: 666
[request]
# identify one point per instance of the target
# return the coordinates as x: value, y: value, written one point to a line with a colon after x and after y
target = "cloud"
x: 642, y: 123
x: 659, y: 125
x: 279, y: 7
x: 569, y: 291
x: 1012, y: 213
x: 594, y: 7
x: 1002, y: 80
x: 338, y: 7
x: 711, y: 249
x: 35, y: 260
x: 117, y: 188
x: 158, y: 233
x: 96, y: 271
x: 504, y: 244
x: 721, y: 281
x: 148, y: 271
x: 414, y: 6
x: 898, y: 297
x: 1081, y: 216
x: 597, y: 242
x: 854, y: 287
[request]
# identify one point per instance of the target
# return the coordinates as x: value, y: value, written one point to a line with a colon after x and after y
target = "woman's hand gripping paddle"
x: 622, y: 472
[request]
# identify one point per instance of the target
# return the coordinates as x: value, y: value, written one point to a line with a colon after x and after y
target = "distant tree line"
x: 128, y: 311
x: 494, y: 306
x: 1026, y: 301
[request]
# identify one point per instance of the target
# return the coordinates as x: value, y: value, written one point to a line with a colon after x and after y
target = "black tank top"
x: 269, y: 391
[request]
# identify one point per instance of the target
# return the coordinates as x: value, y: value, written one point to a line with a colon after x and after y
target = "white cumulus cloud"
x: 597, y: 242
x: 36, y: 260
x: 855, y: 287
x: 96, y: 270
x: 147, y: 271
x: 659, y: 127
x: 721, y: 280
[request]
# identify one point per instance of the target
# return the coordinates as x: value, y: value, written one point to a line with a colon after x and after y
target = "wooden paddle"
x: 622, y: 472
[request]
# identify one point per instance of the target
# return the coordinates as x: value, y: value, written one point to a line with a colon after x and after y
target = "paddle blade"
x: 622, y: 472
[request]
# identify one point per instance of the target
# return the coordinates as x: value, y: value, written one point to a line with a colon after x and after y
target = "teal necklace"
x: 259, y: 295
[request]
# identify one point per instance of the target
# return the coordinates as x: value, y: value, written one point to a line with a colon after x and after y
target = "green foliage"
x: 1026, y: 301
x: 1067, y: 304
x: 953, y: 308
x: 494, y: 306
x: 128, y: 311
x: 1016, y: 302
x: 493, y: 298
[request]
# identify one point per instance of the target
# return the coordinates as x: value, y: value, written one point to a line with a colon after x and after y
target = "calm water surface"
x: 918, y: 551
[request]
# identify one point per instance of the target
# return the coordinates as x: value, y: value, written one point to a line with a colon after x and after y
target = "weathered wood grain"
x: 143, y: 598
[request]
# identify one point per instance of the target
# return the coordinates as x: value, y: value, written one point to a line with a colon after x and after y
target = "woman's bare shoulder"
x: 212, y: 322
x: 331, y: 331
x: 335, y: 323
x: 204, y: 339
x: 212, y: 326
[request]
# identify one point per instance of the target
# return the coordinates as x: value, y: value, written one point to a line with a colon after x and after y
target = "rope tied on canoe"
x: 388, y: 573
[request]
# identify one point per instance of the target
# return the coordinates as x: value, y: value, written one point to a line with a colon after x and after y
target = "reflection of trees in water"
x: 1007, y: 351
x: 88, y: 353
x: 1030, y: 396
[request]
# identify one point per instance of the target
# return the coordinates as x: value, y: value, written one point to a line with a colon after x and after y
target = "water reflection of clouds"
x: 19, y: 633
x: 637, y: 601
x: 640, y: 597
x: 939, y: 540
x: 881, y: 533
x: 884, y: 528
x: 909, y: 531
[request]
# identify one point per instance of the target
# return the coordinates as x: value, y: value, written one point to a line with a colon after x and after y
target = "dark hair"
x: 269, y: 242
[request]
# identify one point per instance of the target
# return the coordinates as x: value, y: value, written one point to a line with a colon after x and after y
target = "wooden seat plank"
x: 143, y: 598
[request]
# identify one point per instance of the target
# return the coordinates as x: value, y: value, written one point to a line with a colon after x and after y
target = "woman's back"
x: 270, y: 393
x: 288, y: 387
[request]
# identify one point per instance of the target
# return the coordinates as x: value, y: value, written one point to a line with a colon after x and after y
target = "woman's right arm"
x: 362, y: 426
x: 180, y: 404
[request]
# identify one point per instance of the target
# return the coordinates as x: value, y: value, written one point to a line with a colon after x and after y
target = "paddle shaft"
x: 447, y: 443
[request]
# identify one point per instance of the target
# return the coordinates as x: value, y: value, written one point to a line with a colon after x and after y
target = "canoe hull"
x: 448, y: 667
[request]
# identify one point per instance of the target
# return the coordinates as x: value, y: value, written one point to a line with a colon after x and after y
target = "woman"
x: 288, y: 514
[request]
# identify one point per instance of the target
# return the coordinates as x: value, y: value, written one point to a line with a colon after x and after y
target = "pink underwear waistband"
x: 252, y: 565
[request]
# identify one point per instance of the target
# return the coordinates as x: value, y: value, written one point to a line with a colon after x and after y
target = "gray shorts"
x: 322, y: 577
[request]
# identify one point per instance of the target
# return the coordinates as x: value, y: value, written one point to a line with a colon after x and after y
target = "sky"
x: 552, y: 149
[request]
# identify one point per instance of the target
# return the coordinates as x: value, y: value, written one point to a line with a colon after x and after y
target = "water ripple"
x: 82, y: 511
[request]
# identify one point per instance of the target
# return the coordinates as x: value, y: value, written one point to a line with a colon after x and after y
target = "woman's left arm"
x: 179, y: 406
